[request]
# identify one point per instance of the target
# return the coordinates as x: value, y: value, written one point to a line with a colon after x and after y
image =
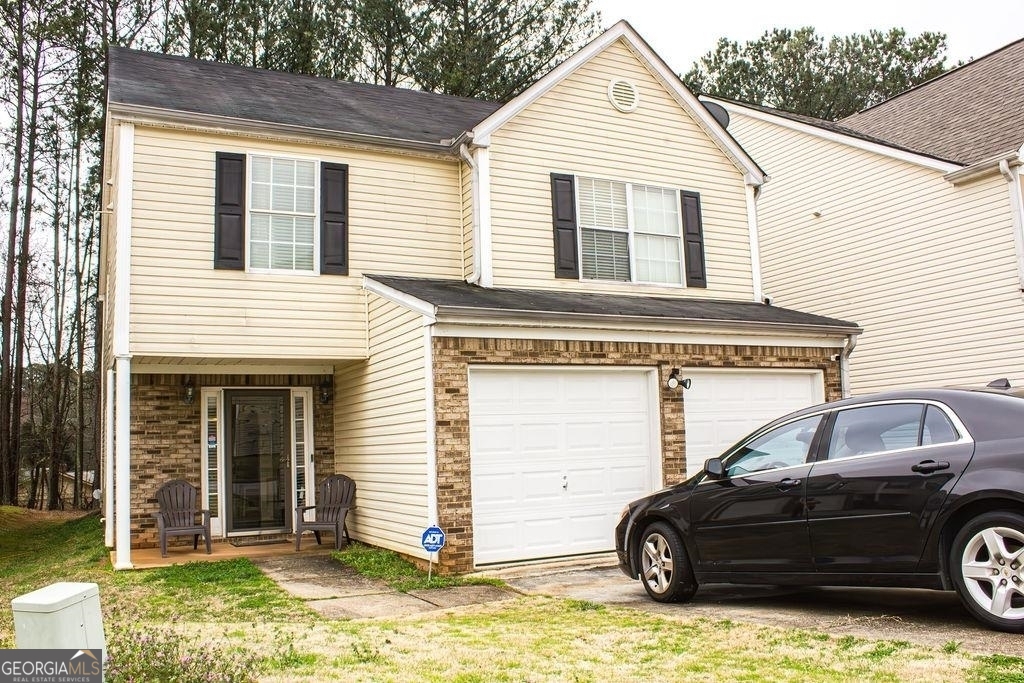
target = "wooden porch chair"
x: 179, y: 515
x: 334, y: 498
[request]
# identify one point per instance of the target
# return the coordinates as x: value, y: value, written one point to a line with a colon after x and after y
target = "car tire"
x: 665, y: 568
x: 987, y: 568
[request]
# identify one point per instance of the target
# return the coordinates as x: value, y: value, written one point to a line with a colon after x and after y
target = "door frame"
x: 213, y: 453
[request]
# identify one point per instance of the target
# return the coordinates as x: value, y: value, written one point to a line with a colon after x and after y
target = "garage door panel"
x: 591, y: 429
x: 722, y: 406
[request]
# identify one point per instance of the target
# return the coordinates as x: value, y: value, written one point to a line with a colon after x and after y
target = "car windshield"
x: 784, y: 446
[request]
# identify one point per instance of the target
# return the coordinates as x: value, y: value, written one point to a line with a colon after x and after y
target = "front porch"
x: 149, y: 558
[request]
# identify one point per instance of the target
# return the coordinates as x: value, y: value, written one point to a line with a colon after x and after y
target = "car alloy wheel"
x: 664, y: 568
x: 656, y: 562
x: 989, y: 573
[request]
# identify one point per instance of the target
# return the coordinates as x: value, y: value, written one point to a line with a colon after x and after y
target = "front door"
x: 258, y: 472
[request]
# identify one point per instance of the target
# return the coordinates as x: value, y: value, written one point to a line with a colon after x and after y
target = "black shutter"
x: 229, y: 212
x: 334, y: 219
x: 563, y: 212
x: 693, y: 240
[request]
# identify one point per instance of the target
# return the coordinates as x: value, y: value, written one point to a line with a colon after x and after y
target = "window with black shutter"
x: 229, y: 212
x: 693, y: 240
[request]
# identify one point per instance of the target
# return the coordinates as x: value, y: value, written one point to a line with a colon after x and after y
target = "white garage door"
x: 722, y: 406
x: 555, y: 454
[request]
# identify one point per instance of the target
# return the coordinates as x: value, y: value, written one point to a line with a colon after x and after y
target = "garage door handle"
x: 929, y: 466
x: 787, y: 483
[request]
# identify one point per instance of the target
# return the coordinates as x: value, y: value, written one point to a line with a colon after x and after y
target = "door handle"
x: 929, y: 466
x: 787, y: 483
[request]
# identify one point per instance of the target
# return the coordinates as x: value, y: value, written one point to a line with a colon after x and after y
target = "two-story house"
x: 908, y: 218
x: 472, y: 309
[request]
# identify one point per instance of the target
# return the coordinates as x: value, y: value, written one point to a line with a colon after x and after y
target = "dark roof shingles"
x: 966, y: 115
x: 459, y: 294
x: 192, y: 85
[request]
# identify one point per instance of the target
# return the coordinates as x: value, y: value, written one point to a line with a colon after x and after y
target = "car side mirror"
x: 714, y: 468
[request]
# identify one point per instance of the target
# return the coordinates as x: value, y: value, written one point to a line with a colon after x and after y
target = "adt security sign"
x: 433, y: 539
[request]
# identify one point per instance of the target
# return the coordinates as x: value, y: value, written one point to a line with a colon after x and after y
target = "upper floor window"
x: 282, y: 214
x: 627, y: 232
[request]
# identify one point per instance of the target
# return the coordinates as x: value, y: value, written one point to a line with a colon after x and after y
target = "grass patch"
x: 399, y: 573
x: 225, y: 621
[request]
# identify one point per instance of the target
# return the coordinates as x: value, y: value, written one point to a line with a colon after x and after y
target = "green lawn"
x: 225, y: 621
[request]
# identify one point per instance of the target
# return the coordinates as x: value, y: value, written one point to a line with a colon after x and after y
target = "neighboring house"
x: 472, y: 309
x: 905, y: 217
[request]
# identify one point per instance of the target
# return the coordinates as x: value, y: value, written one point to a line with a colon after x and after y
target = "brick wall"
x: 452, y: 356
x: 166, y: 438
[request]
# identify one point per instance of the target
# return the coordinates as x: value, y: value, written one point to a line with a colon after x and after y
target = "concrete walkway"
x: 339, y: 592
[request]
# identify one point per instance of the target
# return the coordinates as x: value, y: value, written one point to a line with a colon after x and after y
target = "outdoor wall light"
x: 189, y: 395
x: 325, y: 390
x: 675, y: 381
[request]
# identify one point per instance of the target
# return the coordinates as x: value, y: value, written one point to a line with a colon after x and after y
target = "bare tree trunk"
x: 20, y: 304
x: 58, y: 366
x: 10, y: 413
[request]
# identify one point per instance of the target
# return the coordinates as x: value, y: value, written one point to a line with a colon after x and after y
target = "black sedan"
x: 917, y: 489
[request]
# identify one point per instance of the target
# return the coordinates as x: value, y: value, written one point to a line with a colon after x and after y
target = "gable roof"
x: 968, y: 114
x: 460, y: 297
x: 150, y: 81
x: 673, y: 84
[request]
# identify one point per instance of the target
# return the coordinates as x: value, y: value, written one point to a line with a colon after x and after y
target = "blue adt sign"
x: 433, y: 539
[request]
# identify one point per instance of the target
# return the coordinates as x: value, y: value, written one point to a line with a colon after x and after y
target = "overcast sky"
x: 682, y: 31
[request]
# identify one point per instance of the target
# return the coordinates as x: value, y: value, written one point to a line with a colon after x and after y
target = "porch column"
x: 108, y: 460
x: 122, y: 469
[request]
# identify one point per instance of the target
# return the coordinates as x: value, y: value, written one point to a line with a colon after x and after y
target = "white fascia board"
x: 481, y: 134
x: 424, y: 308
x: 832, y: 136
x: 198, y: 368
x: 689, y: 335
x: 985, y: 167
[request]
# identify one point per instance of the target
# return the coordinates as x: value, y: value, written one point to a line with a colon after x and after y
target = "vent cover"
x: 623, y: 95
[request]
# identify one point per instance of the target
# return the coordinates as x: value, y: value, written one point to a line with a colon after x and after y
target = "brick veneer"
x: 166, y: 438
x: 454, y: 355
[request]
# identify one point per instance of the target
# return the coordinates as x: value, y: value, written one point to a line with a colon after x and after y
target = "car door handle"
x: 929, y: 466
x: 787, y: 483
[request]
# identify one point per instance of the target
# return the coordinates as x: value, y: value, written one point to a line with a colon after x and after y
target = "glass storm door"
x: 257, y: 462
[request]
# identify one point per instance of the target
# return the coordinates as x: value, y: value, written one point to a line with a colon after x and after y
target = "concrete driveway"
x: 931, y: 618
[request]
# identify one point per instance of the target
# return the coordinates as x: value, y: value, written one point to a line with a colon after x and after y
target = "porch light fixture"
x: 189, y: 396
x: 325, y: 390
x: 675, y: 381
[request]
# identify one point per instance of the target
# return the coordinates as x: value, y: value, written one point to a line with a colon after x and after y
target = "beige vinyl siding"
x: 574, y: 129
x: 380, y: 428
x: 927, y: 269
x: 405, y: 217
x: 109, y: 265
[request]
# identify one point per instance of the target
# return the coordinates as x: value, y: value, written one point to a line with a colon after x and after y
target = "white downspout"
x: 1017, y: 215
x: 428, y: 359
x: 122, y: 350
x: 483, y: 167
x: 755, y: 247
x: 474, y: 276
x: 844, y: 364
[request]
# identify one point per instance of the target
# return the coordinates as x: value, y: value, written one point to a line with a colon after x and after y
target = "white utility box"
x: 62, y: 615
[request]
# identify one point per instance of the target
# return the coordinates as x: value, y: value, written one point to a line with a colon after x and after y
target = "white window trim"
x: 631, y: 232
x: 316, y: 213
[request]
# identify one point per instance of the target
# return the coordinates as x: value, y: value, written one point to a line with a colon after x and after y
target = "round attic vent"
x: 623, y: 95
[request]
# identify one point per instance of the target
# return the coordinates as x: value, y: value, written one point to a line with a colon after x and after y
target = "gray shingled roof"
x: 176, y: 83
x: 456, y: 295
x: 831, y: 126
x: 966, y: 115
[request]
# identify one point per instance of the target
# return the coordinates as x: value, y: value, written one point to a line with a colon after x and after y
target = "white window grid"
x: 632, y: 231
x: 313, y: 216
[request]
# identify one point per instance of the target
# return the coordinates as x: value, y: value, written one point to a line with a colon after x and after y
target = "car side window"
x: 874, y: 429
x: 783, y: 446
x: 937, y: 428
